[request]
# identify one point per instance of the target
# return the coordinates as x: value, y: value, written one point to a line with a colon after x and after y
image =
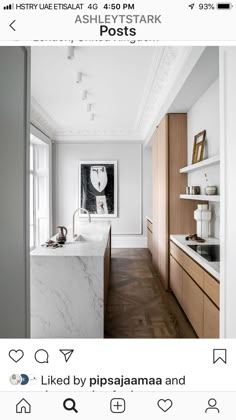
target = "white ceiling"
x: 205, y: 72
x: 124, y: 84
x: 114, y: 77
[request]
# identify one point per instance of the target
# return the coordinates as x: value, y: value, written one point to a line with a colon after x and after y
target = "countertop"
x: 211, y: 267
x: 94, y: 237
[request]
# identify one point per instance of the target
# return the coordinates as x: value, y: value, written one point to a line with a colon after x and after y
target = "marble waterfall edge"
x: 67, y: 291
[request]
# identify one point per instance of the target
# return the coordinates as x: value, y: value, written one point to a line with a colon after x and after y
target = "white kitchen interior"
x: 121, y: 222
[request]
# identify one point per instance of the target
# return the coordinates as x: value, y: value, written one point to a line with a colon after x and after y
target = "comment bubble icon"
x: 41, y: 356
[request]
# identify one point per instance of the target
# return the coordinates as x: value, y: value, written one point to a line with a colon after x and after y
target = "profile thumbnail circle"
x: 15, y: 379
x: 24, y: 379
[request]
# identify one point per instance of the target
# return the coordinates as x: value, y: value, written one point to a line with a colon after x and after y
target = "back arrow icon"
x: 12, y: 24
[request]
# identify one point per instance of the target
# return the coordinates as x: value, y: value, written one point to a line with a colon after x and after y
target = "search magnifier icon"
x: 70, y: 405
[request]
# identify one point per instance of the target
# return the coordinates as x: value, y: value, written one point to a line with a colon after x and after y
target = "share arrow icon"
x: 67, y: 354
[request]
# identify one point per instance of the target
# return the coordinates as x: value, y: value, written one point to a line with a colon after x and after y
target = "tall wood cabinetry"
x: 171, y: 215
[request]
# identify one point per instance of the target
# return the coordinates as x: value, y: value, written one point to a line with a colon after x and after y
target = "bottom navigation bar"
x: 131, y: 405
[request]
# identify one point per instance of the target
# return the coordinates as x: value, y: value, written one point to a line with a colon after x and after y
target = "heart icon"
x: 164, y: 405
x: 16, y: 355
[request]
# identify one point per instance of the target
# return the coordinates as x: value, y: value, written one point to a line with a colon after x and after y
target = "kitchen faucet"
x: 76, y: 211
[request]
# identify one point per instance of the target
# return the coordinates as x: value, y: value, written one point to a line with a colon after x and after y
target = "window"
x: 39, y: 192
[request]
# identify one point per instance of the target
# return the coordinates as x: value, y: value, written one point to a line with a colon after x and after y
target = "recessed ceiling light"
x: 84, y: 95
x: 70, y: 53
x: 79, y: 77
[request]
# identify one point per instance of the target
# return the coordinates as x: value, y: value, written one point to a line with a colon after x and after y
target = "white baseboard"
x: 123, y: 241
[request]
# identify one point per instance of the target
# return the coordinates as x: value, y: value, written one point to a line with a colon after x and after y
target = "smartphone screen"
x: 117, y: 209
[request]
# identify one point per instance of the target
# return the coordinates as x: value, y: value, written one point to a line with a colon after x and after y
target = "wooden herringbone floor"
x: 138, y: 306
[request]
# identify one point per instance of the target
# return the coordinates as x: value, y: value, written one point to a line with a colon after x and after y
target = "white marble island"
x: 68, y: 285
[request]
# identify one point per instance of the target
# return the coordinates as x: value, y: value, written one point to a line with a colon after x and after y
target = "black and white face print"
x: 98, y: 176
x: 98, y: 188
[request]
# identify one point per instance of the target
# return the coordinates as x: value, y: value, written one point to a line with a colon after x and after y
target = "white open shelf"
x: 198, y: 197
x: 202, y: 164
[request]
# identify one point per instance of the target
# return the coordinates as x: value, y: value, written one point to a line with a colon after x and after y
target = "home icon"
x: 23, y: 407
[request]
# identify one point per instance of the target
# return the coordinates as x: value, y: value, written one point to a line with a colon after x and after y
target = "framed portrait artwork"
x: 198, y: 147
x: 98, y: 188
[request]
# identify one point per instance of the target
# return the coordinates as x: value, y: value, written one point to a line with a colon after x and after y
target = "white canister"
x: 203, y: 217
x: 211, y: 190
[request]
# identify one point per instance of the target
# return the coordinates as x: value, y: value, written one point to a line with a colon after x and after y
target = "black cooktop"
x: 209, y: 252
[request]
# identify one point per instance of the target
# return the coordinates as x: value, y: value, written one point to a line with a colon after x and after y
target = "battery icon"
x: 224, y: 6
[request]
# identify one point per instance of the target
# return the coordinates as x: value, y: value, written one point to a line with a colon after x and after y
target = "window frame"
x: 34, y: 132
x: 33, y: 173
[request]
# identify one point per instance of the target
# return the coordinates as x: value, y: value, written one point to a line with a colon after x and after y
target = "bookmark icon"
x: 67, y: 354
x: 220, y: 355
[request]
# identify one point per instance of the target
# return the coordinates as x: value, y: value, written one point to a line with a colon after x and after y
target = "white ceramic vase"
x: 203, y: 217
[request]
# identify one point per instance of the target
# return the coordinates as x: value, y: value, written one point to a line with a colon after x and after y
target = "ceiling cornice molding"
x: 42, y: 120
x: 98, y: 136
x: 167, y: 70
x: 97, y: 141
x: 157, y: 55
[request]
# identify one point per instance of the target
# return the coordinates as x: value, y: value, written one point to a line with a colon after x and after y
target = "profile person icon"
x: 212, y: 406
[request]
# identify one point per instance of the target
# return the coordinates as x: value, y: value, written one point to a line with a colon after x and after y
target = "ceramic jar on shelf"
x: 202, y: 215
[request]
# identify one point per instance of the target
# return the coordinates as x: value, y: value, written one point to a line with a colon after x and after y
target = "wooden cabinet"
x: 176, y: 252
x: 211, y: 319
x: 197, y: 292
x: 211, y: 288
x: 204, y: 280
x: 149, y: 240
x: 149, y: 225
x: 192, y: 303
x: 149, y: 235
x: 176, y: 279
x: 171, y: 215
x: 192, y: 268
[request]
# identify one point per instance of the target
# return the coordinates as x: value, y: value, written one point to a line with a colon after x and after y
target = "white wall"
x: 228, y: 177
x: 130, y: 218
x: 204, y: 115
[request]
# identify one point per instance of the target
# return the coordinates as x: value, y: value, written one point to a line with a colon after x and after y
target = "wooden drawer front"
x: 149, y: 225
x: 176, y: 279
x: 193, y: 269
x: 212, y: 288
x: 149, y: 240
x: 193, y: 304
x: 211, y: 319
x: 176, y: 252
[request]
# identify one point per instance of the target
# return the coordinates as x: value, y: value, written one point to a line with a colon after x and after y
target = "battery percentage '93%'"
x: 206, y: 6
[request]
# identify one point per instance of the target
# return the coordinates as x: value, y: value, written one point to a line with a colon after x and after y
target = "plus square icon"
x: 117, y: 405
